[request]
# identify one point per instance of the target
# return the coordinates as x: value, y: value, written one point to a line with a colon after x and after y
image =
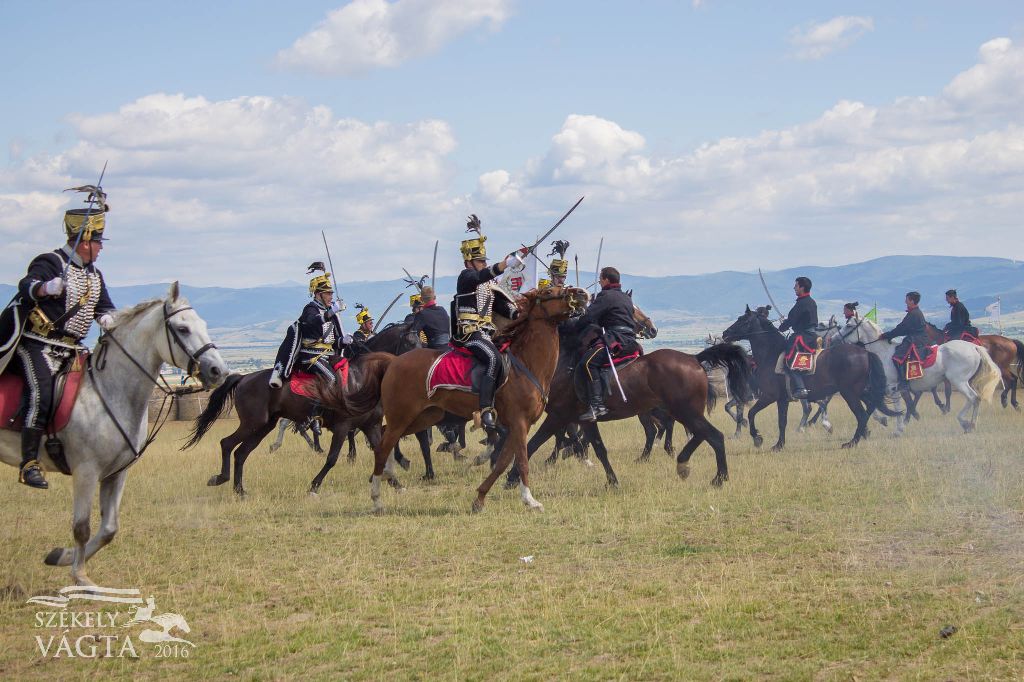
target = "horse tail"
x: 988, y: 376
x: 362, y: 400
x: 220, y: 399
x: 1020, y: 359
x: 733, y: 359
x: 876, y: 387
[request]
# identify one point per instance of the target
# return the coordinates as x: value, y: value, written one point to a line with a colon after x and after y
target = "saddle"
x: 800, y: 358
x: 299, y: 383
x: 65, y: 393
x: 912, y: 364
x: 458, y: 370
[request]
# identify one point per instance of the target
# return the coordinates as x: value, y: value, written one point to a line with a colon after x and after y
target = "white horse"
x: 107, y: 429
x: 967, y: 367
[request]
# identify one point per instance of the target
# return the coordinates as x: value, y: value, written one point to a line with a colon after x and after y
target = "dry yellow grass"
x: 816, y: 563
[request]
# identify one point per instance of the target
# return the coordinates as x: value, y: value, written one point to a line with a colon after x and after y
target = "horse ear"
x: 748, y: 307
x: 174, y: 292
x: 630, y: 293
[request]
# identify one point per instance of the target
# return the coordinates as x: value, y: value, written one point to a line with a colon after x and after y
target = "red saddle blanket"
x: 622, y: 359
x: 912, y: 354
x: 453, y: 370
x: 971, y: 338
x: 12, y: 386
x: 300, y: 382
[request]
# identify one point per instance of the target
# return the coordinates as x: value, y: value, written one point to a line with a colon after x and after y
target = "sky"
x: 706, y: 135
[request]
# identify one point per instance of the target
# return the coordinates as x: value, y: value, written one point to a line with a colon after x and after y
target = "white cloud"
x: 815, y: 40
x: 925, y: 174
x: 371, y: 34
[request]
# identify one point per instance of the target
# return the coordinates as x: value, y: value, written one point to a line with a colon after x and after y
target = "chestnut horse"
x: 854, y: 373
x: 399, y: 384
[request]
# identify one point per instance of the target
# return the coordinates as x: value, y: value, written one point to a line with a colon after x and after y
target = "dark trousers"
x: 485, y: 352
x: 38, y: 364
x: 313, y: 361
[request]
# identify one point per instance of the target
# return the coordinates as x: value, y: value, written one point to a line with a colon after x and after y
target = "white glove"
x: 341, y: 305
x: 52, y: 288
x: 513, y: 261
x: 347, y: 339
x: 106, y: 321
x: 337, y: 307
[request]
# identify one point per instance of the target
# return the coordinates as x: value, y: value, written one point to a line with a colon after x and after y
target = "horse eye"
x: 183, y: 330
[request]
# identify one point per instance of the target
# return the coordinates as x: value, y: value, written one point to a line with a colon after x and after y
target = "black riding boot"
x: 488, y: 416
x: 597, y: 408
x: 799, y: 390
x: 30, y: 473
x: 315, y: 419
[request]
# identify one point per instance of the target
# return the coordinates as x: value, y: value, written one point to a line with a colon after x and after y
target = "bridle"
x: 98, y: 361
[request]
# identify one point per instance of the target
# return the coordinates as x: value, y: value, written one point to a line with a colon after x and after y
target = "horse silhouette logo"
x: 166, y: 621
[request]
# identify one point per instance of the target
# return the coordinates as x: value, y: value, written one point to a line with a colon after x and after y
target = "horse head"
x: 643, y: 325
x: 746, y: 325
x: 556, y: 303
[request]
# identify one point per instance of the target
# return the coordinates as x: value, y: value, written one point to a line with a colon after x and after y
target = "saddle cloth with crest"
x: 300, y: 382
x: 457, y: 370
x: 65, y: 393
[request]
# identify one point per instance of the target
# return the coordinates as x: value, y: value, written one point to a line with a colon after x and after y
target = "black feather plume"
x: 559, y: 246
x: 315, y: 266
x: 473, y: 224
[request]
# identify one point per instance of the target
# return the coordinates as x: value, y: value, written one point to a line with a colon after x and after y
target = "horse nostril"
x: 215, y: 371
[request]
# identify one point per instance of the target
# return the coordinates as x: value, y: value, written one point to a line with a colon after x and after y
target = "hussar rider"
x: 316, y: 336
x: 558, y: 268
x: 365, y: 321
x: 802, y: 319
x: 44, y: 325
x: 472, y: 327
x: 431, y: 321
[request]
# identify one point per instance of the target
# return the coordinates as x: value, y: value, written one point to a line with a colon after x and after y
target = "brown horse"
x: 399, y: 384
x: 846, y: 369
x: 259, y: 407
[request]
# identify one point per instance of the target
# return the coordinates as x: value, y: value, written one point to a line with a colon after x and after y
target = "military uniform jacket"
x: 465, y: 299
x: 802, y: 318
x: 362, y: 337
x: 959, y: 318
x: 433, y: 321
x: 319, y: 324
x: 612, y: 309
x: 913, y: 327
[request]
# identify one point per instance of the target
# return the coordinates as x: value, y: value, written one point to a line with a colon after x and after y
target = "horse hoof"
x: 478, y: 505
x: 613, y: 483
x: 537, y: 507
x: 719, y: 479
x: 482, y: 459
x: 456, y: 457
x: 274, y: 447
x: 217, y: 480
x: 644, y: 458
x: 683, y: 469
x: 240, y: 492
x: 758, y: 441
x: 53, y: 558
x: 395, y: 483
x: 778, y: 447
x: 511, y: 483
x: 849, y: 444
x: 314, y: 495
x: 405, y: 464
x: 351, y: 460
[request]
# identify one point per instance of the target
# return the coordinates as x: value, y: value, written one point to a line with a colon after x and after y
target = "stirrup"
x: 314, y: 425
x: 489, y: 418
x: 32, y: 475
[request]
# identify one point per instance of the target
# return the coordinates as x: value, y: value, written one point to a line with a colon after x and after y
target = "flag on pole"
x: 872, y: 314
x: 993, y: 308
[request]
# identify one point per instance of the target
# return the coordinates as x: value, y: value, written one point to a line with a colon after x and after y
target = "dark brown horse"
x: 846, y: 369
x: 399, y: 384
x: 259, y: 407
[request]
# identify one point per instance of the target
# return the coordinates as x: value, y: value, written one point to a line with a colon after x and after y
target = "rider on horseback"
x: 431, y: 321
x: 415, y: 305
x: 802, y: 319
x: 912, y: 329
x: 472, y: 327
x: 558, y: 269
x: 959, y: 319
x: 365, y: 321
x: 315, y: 336
x: 850, y: 312
x: 44, y: 324
x: 611, y: 313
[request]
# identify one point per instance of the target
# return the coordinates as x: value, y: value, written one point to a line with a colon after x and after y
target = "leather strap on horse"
x: 518, y: 364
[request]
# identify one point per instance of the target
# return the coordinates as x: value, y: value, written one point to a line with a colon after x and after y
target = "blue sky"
x: 706, y: 136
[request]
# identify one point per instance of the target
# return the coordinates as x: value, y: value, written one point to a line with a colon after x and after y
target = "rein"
x: 98, y: 361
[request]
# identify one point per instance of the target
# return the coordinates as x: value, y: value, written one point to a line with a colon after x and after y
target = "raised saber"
x: 597, y: 270
x: 334, y: 280
x: 770, y: 299
x: 554, y: 227
x: 433, y: 267
x: 615, y: 372
x: 384, y: 314
x: 577, y: 270
x: 85, y: 220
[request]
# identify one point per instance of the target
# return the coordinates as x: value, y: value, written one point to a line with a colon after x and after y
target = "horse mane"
x: 125, y: 315
x: 525, y: 305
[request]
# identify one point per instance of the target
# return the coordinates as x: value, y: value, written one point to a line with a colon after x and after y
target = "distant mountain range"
x: 258, y: 315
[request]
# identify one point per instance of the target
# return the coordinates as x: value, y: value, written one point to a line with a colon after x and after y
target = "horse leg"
x: 337, y: 438
x: 650, y: 431
x: 110, y: 503
x: 514, y: 445
x: 670, y: 428
x: 826, y: 423
x: 313, y: 443
x: 853, y: 401
x: 242, y: 453
x: 949, y: 396
x: 560, y: 444
x: 910, y: 399
x: 282, y: 426
x: 805, y: 407
x: 401, y: 459
x: 758, y: 406
x: 593, y: 433
x: 973, y: 399
x: 424, y: 440
x: 547, y: 428
x: 1013, y: 393
x: 351, y: 446
x: 383, y: 462
x: 783, y: 406
x: 86, y: 479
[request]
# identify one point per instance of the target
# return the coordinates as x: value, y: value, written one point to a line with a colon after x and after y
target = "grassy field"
x: 816, y: 563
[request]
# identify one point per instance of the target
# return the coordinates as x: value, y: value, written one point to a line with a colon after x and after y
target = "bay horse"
x: 846, y: 369
x: 667, y: 379
x: 399, y: 385
x: 107, y: 429
x: 259, y: 407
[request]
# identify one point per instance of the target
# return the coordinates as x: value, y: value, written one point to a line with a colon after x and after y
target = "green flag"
x: 872, y: 314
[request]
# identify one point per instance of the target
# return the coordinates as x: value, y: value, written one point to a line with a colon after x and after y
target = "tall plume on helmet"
x: 473, y: 224
x: 410, y: 281
x: 559, y: 246
x: 96, y: 194
x: 316, y: 266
